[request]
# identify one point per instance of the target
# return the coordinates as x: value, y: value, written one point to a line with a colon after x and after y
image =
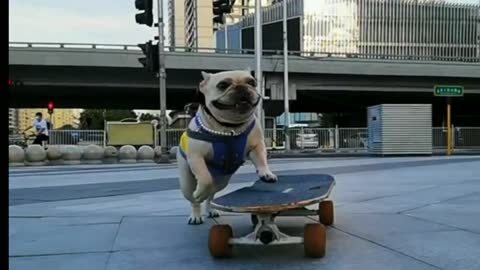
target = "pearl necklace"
x: 220, y: 133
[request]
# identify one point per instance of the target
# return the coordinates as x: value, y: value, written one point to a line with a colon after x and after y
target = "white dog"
x: 222, y: 133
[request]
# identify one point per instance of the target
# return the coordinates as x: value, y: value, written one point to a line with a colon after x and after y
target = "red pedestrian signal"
x: 10, y: 83
x: 50, y: 107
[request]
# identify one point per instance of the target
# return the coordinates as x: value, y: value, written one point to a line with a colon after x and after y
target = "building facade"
x: 191, y: 21
x: 395, y: 29
x: 61, y: 118
x: 12, y: 120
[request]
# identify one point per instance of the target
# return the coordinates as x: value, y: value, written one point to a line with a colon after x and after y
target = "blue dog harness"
x: 228, y: 151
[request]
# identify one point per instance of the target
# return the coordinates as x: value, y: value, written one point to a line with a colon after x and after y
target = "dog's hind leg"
x: 188, y: 183
x: 219, y: 185
x: 212, y: 213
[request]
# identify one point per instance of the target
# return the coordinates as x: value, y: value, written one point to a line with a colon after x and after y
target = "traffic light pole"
x: 162, y: 80
x: 285, y: 78
x: 449, y: 127
x: 258, y: 58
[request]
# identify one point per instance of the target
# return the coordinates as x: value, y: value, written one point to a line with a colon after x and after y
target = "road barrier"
x: 77, y: 137
x: 300, y: 138
x: 323, y: 139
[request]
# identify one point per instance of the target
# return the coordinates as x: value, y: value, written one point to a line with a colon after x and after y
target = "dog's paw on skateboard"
x: 212, y: 213
x: 195, y: 220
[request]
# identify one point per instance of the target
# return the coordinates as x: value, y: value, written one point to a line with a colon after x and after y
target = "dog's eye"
x: 252, y: 83
x: 223, y: 85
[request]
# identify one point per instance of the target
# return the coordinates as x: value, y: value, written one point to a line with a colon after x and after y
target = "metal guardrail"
x: 77, y: 137
x: 463, y: 137
x: 301, y: 138
x: 300, y: 54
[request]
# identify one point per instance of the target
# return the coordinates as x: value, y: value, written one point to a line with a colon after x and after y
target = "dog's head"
x: 230, y: 96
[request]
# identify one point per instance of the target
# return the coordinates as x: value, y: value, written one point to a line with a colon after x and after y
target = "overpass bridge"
x: 88, y: 75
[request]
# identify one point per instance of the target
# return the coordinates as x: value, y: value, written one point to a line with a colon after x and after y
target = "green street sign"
x: 448, y: 91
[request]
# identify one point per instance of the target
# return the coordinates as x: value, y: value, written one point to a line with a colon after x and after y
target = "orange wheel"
x: 218, y: 241
x: 326, y: 213
x: 315, y: 240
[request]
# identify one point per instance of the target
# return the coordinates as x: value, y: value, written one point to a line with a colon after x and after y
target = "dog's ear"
x: 249, y: 71
x: 206, y: 75
x: 203, y: 84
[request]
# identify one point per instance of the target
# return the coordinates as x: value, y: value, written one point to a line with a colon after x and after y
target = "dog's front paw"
x: 202, y: 192
x: 195, y: 220
x: 212, y: 213
x: 267, y: 177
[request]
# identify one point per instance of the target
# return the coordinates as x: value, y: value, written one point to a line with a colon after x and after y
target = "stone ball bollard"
x: 145, y: 154
x: 173, y: 152
x: 54, y: 155
x: 35, y: 155
x: 16, y: 156
x: 127, y: 154
x: 93, y: 154
x: 71, y: 155
x: 110, y: 155
x: 159, y: 157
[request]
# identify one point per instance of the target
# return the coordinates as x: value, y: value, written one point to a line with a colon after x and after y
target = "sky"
x: 84, y: 21
x: 78, y: 21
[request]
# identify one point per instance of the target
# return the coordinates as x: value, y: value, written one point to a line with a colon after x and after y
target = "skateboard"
x: 265, y: 201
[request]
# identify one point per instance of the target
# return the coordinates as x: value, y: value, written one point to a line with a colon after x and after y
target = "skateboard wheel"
x: 218, y: 241
x: 326, y: 213
x: 315, y: 240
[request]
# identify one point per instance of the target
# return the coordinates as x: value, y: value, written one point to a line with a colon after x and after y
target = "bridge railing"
x: 301, y: 54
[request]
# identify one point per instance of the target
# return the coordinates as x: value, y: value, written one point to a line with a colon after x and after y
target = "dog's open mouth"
x: 242, y: 105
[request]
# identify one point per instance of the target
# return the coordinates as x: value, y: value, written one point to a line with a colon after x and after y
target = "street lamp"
x: 285, y: 78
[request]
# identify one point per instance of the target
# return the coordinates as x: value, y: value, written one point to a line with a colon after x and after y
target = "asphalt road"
x: 20, y: 196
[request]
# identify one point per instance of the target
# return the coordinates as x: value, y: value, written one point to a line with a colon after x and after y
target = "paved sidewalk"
x: 394, y: 213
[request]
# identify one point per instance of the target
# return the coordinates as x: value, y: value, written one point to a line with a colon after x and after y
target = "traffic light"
x: 14, y: 83
x: 51, y: 107
x: 145, y: 17
x: 221, y: 7
x: 151, y: 59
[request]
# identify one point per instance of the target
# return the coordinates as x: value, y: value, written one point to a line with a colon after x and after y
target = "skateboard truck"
x: 266, y: 232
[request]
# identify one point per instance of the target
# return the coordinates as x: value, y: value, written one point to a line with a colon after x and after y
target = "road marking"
x: 287, y: 190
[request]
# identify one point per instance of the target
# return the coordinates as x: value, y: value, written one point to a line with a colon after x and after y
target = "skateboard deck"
x: 290, y: 192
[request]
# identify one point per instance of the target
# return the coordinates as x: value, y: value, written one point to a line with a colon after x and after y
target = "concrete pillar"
x: 110, y: 155
x: 54, y: 155
x: 93, y: 154
x: 127, y: 154
x: 145, y: 154
x: 16, y: 156
x: 35, y: 155
x: 71, y: 155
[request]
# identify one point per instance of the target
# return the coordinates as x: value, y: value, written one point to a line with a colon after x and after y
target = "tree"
x: 67, y: 127
x: 148, y: 117
x: 94, y: 118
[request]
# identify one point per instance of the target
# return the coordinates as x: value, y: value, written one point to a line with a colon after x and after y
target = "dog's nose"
x: 242, y: 96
